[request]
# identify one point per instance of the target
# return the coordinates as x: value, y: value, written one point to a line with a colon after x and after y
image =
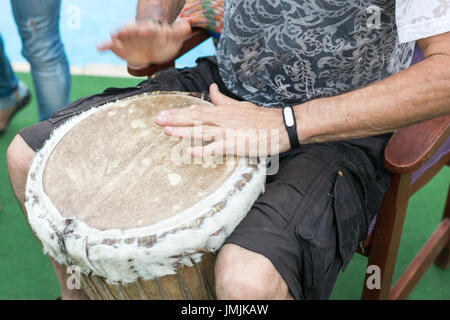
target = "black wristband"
x: 291, y: 126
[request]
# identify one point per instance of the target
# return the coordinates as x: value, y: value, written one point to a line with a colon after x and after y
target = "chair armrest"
x: 410, y: 147
x: 197, y: 36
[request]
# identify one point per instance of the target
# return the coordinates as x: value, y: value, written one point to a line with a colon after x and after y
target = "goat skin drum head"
x: 110, y: 186
x: 117, y: 172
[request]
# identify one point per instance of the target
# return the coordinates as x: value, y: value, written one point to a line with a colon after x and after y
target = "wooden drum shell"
x: 189, y: 283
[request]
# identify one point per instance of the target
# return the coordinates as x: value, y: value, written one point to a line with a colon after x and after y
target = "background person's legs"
x: 38, y: 25
x: 14, y: 94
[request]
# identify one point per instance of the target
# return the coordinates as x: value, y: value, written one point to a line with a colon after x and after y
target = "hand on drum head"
x: 144, y: 42
x: 234, y: 127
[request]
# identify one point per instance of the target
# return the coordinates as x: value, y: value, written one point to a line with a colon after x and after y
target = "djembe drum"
x: 108, y: 195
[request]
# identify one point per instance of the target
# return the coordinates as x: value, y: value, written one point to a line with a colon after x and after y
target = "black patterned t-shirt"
x: 284, y: 52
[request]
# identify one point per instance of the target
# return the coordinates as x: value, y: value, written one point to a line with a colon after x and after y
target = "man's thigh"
x: 313, y: 214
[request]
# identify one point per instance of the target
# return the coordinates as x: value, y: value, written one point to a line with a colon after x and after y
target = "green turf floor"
x: 25, y: 273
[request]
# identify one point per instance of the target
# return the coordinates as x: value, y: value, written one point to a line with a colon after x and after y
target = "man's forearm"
x: 161, y: 10
x: 418, y: 93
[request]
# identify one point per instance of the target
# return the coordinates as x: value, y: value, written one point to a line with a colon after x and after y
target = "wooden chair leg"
x: 443, y: 259
x: 387, y: 234
x: 423, y: 260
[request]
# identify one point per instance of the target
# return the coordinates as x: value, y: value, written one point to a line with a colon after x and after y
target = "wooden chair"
x: 414, y: 155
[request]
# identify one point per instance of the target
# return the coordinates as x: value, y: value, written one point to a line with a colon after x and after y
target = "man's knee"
x: 19, y: 157
x: 243, y: 274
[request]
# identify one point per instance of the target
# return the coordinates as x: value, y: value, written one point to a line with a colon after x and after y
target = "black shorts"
x: 316, y: 209
x: 314, y: 213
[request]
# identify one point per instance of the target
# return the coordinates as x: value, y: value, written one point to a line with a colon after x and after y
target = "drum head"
x: 112, y: 194
x: 117, y: 169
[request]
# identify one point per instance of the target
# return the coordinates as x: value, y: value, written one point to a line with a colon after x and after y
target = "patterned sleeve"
x: 418, y: 19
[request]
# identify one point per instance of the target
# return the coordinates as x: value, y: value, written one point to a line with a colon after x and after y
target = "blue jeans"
x: 38, y: 25
x: 8, y: 80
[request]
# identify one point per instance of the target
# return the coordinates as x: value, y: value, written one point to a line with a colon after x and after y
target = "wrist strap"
x: 291, y: 126
x: 149, y: 19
